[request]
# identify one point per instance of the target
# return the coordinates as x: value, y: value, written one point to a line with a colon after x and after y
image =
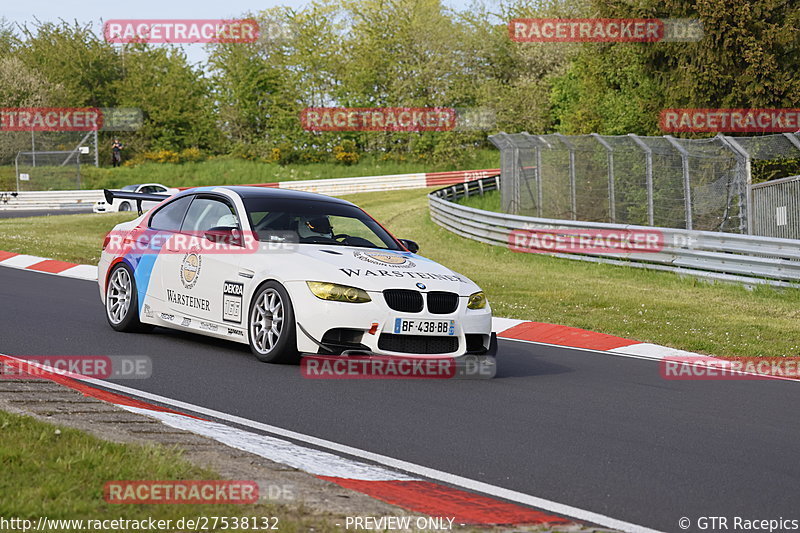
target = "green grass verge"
x: 60, y: 473
x: 660, y: 307
x: 73, y: 238
x: 490, y: 201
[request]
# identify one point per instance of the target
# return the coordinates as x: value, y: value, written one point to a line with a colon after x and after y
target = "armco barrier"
x: 51, y: 200
x: 721, y: 256
x: 337, y: 186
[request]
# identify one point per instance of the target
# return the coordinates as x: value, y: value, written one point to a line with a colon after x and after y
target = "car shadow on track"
x: 512, y: 361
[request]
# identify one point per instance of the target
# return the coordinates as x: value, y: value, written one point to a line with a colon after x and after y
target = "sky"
x: 27, y: 11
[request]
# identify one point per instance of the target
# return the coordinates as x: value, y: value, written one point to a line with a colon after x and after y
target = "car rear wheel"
x: 122, y: 302
x: 124, y: 206
x: 273, y: 336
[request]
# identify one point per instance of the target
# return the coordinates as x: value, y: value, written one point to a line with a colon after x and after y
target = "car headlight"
x: 338, y: 293
x: 476, y: 300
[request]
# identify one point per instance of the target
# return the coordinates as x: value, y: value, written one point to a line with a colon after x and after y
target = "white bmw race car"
x: 126, y: 205
x: 288, y: 273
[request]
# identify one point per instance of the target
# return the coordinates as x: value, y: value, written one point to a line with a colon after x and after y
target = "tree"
x: 256, y: 85
x: 72, y: 56
x: 749, y: 58
x: 174, y: 96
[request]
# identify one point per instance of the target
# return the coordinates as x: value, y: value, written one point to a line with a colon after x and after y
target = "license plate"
x: 418, y: 326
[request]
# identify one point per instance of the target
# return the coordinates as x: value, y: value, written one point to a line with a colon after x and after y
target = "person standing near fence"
x: 116, y: 153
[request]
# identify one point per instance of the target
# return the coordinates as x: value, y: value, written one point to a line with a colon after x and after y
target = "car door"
x: 201, y: 281
x: 163, y: 225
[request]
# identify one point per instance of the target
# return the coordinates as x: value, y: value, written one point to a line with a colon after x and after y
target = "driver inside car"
x: 316, y: 226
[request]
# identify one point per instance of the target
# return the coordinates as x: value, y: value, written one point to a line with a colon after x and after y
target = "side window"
x: 169, y: 217
x: 206, y: 213
x: 158, y: 189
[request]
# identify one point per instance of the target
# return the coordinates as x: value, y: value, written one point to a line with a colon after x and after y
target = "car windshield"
x: 130, y: 188
x: 315, y: 222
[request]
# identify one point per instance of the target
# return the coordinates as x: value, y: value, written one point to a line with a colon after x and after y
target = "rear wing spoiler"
x: 138, y: 196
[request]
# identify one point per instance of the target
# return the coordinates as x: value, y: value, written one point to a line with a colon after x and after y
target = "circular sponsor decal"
x: 385, y: 259
x: 190, y: 269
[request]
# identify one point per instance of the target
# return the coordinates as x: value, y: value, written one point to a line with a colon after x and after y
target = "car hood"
x: 365, y: 268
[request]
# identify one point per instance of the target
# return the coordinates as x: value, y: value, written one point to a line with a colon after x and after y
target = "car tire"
x: 122, y: 301
x: 272, y: 332
x: 124, y: 206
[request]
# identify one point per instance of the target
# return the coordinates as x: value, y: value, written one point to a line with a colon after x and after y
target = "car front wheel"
x: 273, y: 337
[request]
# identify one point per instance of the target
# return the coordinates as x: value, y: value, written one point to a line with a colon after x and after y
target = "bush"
x: 191, y: 155
x: 773, y: 169
x: 187, y: 155
x: 346, y: 153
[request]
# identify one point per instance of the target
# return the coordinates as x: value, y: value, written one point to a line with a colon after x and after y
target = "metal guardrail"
x: 52, y: 199
x: 713, y: 255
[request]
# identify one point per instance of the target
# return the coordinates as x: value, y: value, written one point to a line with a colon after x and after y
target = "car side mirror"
x: 410, y: 245
x: 224, y: 235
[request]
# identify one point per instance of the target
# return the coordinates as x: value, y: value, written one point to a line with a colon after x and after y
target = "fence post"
x: 612, y: 196
x: 508, y: 175
x: 648, y: 168
x: 743, y: 161
x: 687, y: 186
x: 539, y: 180
x: 792, y: 137
x: 573, y: 188
x: 96, y: 150
x: 16, y: 169
x: 529, y: 141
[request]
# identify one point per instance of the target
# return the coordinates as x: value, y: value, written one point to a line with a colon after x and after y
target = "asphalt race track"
x: 595, y: 431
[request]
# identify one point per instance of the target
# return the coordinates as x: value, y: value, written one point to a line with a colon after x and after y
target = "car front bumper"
x: 336, y: 327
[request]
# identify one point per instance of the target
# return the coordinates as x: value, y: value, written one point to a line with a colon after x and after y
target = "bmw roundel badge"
x: 421, y: 286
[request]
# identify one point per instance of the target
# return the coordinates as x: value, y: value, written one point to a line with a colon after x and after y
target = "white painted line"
x: 405, y: 466
x: 655, y: 351
x: 590, y: 350
x: 62, y: 274
x: 22, y: 261
x: 81, y: 272
x: 501, y: 324
x: 309, y: 460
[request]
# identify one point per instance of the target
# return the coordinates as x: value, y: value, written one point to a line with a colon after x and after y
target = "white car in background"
x: 128, y: 205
